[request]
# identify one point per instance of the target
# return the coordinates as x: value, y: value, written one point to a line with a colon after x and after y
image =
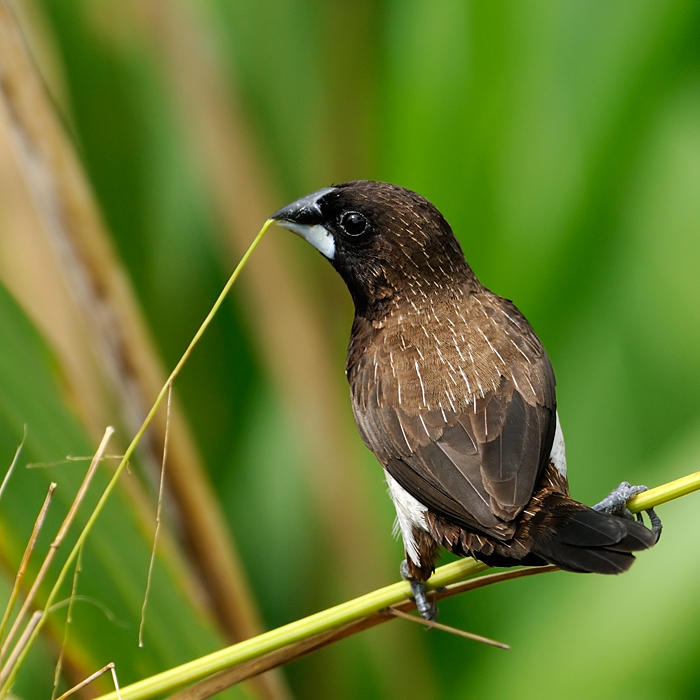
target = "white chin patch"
x: 317, y: 235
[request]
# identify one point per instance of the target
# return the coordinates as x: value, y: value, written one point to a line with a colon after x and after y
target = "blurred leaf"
x: 116, y: 554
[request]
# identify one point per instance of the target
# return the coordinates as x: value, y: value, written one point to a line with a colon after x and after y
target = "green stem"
x: 328, y: 619
x: 664, y: 493
x: 5, y: 689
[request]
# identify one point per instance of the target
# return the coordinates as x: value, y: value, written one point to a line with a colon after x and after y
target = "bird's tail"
x: 578, y: 538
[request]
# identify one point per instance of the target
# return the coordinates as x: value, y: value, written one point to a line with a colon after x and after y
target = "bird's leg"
x: 615, y: 503
x: 426, y: 608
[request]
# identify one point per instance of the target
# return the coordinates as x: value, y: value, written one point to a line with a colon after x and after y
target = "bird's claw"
x: 615, y: 503
x: 427, y: 608
x: 654, y: 521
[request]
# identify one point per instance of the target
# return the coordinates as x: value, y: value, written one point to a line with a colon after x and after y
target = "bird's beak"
x: 303, y: 217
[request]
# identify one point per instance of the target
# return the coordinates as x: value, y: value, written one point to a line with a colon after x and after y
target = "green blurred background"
x: 562, y: 142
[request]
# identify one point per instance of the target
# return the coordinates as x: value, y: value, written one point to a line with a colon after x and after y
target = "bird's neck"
x: 409, y: 294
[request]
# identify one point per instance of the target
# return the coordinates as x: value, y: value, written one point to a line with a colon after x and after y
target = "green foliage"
x: 111, y: 584
x: 562, y: 141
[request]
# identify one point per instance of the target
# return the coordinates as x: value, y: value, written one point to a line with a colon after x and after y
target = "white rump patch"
x: 410, y: 513
x: 558, y: 453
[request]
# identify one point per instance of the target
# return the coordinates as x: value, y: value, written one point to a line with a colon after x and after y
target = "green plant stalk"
x: 664, y: 493
x: 350, y: 611
x: 5, y: 689
x: 328, y: 619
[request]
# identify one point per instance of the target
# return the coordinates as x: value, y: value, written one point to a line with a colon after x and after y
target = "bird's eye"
x: 354, y: 223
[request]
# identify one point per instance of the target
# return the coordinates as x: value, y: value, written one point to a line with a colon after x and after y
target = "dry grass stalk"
x: 38, y: 524
x: 161, y: 487
x: 53, y: 548
x: 68, y: 459
x: 21, y: 645
x: 69, y: 619
x: 434, y: 625
x: 11, y: 468
x: 94, y: 676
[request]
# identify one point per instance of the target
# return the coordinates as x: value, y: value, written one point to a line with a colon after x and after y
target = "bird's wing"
x: 472, y: 458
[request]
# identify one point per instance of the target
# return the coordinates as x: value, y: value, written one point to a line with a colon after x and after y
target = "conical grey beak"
x: 304, y: 217
x: 304, y: 210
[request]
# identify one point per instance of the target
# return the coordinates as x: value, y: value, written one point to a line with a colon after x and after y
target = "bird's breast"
x: 442, y: 356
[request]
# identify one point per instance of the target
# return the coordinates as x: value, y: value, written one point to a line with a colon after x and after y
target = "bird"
x: 454, y: 393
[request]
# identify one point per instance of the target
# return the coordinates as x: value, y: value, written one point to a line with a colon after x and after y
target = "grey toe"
x: 615, y: 502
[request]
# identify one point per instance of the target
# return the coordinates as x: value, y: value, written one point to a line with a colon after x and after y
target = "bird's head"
x: 384, y: 240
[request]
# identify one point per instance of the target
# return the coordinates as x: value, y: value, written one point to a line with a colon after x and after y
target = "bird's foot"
x: 615, y: 503
x: 426, y: 608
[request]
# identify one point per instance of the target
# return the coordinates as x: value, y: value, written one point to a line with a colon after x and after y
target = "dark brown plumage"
x: 453, y: 392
